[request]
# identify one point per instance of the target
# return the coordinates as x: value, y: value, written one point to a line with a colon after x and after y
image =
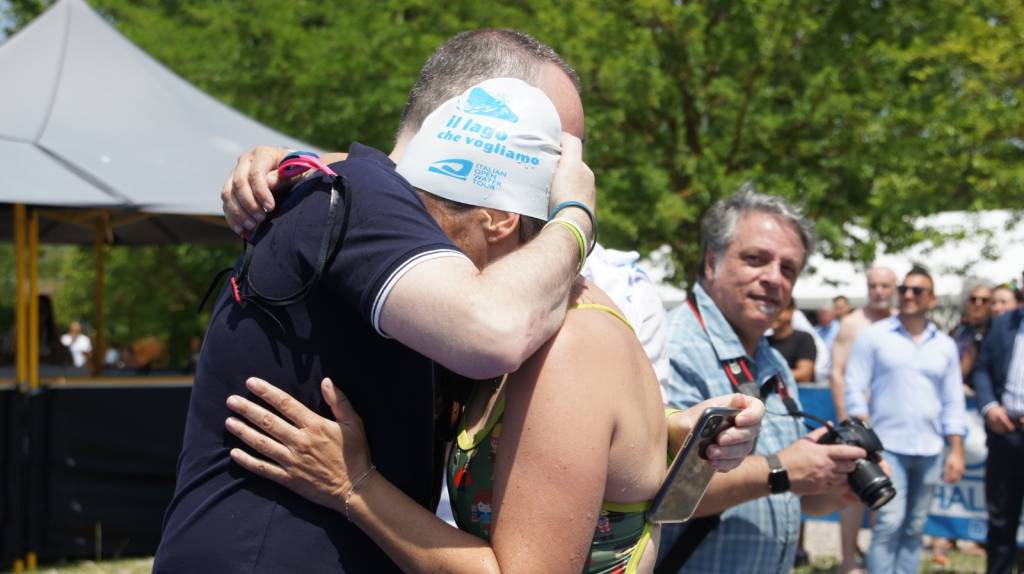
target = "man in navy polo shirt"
x: 397, y: 286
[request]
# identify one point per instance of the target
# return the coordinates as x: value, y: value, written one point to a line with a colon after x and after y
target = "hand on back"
x: 247, y: 195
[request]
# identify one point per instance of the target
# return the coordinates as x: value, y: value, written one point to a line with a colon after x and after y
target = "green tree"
x: 150, y: 291
x: 868, y: 113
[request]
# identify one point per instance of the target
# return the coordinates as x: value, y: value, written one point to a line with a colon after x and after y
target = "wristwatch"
x: 778, y: 478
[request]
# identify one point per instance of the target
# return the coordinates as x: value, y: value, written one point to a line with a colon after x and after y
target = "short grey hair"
x: 718, y: 226
x: 972, y: 285
x: 471, y: 57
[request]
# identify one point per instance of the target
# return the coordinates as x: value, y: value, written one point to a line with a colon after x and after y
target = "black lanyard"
x: 742, y: 379
x: 243, y: 289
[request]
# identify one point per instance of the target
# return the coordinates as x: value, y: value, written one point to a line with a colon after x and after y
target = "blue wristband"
x: 299, y: 154
x: 586, y: 209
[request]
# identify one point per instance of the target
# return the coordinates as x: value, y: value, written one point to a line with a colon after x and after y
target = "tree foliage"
x: 868, y: 113
x: 149, y: 291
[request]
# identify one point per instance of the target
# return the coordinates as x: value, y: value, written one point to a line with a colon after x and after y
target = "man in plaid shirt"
x: 754, y: 248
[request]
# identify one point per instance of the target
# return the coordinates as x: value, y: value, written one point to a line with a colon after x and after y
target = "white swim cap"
x: 495, y: 145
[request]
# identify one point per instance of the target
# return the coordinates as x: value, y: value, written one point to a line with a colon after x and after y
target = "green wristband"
x: 581, y: 243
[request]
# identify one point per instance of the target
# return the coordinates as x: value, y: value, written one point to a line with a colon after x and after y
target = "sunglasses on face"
x: 917, y: 291
x: 979, y: 300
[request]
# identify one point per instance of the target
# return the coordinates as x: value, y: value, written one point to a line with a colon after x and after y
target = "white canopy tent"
x: 90, y: 121
x: 992, y: 250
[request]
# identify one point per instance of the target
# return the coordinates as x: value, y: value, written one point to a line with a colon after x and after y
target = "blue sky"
x: 5, y: 20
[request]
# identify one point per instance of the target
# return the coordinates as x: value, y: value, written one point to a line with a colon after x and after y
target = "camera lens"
x: 712, y: 426
x: 871, y: 484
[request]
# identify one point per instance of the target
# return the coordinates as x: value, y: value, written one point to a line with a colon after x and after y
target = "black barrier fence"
x: 88, y: 470
x: 11, y: 528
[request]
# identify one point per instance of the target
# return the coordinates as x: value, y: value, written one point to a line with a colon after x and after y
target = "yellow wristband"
x: 581, y: 242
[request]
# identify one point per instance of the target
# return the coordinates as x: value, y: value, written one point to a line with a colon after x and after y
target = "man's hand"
x: 818, y: 468
x: 247, y: 195
x: 998, y: 420
x: 573, y: 181
x: 954, y: 468
x: 731, y: 445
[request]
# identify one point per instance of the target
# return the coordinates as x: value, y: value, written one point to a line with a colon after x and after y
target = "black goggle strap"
x: 325, y: 254
x: 243, y: 289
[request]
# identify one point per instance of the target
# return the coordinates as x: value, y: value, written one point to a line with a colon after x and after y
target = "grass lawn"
x: 960, y: 563
x: 125, y: 566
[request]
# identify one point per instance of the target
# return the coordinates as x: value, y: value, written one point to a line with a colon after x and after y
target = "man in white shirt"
x: 78, y: 343
x: 618, y: 274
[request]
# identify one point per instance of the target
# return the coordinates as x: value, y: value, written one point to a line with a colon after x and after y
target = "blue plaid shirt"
x: 759, y: 536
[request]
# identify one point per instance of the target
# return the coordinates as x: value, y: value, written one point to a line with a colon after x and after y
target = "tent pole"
x: 21, y: 313
x: 99, y: 341
x: 20, y: 307
x: 33, y: 301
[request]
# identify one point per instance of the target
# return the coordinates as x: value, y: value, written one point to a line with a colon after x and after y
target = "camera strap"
x: 741, y: 377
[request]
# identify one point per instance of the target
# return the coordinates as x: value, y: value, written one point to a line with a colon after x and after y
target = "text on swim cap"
x: 480, y: 175
x: 460, y: 128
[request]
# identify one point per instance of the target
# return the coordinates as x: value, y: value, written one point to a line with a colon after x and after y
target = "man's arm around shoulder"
x: 483, y: 324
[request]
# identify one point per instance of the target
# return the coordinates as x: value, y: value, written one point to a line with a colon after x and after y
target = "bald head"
x: 881, y: 287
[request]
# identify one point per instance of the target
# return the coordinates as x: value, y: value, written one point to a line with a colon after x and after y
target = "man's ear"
x: 709, y: 264
x: 499, y: 225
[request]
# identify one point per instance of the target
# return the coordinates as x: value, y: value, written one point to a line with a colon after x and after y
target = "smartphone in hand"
x: 690, y: 474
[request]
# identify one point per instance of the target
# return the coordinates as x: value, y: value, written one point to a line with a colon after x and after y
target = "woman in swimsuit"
x: 556, y: 462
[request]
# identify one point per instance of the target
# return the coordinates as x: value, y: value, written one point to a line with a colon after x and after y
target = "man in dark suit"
x: 999, y: 383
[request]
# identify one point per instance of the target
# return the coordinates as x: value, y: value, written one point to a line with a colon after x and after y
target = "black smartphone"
x: 688, y: 477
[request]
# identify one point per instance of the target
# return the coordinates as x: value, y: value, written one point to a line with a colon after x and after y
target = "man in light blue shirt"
x: 828, y: 325
x: 754, y: 246
x: 904, y: 375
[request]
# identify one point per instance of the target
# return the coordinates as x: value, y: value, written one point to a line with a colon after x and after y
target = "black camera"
x: 868, y: 479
